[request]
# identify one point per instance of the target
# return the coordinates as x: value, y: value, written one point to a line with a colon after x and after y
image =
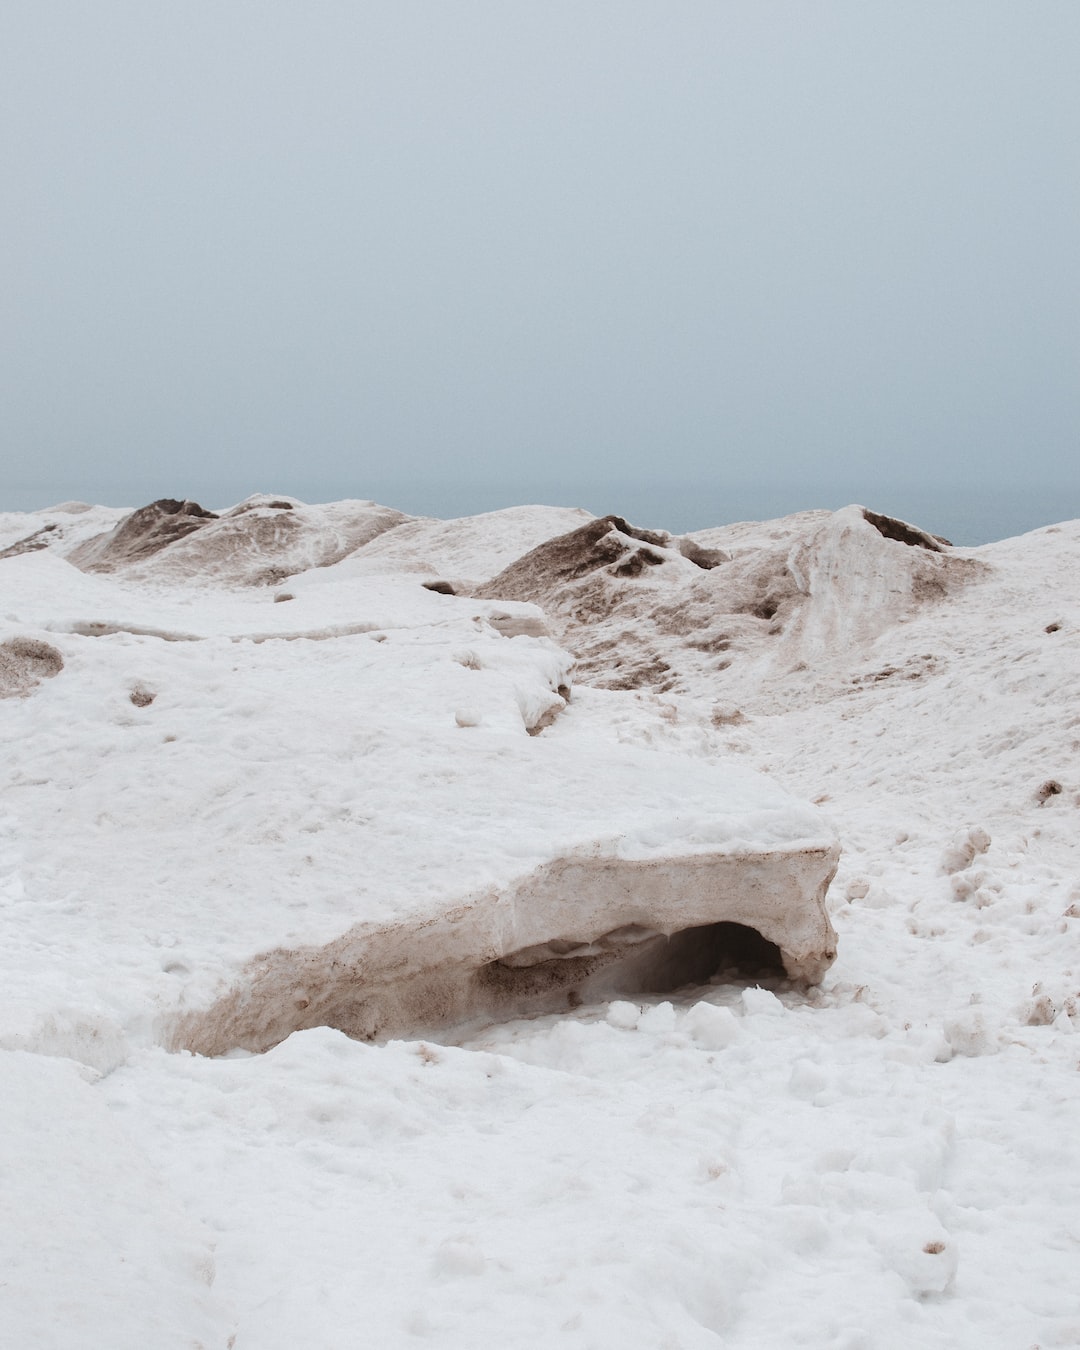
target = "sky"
x: 691, y: 261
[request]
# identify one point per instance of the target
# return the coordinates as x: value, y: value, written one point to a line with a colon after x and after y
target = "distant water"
x: 966, y: 517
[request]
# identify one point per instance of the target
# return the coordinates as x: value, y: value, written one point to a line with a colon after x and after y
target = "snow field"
x: 95, y: 1247
x: 817, y: 1180
x: 887, y: 1161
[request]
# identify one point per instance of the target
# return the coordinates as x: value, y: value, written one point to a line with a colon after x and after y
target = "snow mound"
x: 467, y: 551
x: 607, y: 545
x: 259, y: 542
x: 60, y: 528
x: 142, y: 534
x: 721, y: 610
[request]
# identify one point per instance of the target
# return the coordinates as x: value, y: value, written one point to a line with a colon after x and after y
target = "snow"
x: 471, y: 549
x: 886, y: 1159
x: 60, y: 527
x: 273, y: 787
x: 95, y: 1247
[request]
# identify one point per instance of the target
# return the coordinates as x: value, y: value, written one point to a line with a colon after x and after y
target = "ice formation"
x: 368, y: 828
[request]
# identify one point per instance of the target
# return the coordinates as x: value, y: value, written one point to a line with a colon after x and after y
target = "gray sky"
x: 455, y: 254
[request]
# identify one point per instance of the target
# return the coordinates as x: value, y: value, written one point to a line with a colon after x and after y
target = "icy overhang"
x: 509, y: 877
x: 576, y: 930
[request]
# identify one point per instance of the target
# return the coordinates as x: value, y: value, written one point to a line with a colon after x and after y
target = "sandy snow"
x: 890, y: 1159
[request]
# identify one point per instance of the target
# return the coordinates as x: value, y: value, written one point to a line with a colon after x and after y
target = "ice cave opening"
x: 624, y: 963
x: 453, y: 999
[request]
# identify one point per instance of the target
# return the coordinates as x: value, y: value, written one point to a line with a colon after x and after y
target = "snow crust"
x: 890, y: 1158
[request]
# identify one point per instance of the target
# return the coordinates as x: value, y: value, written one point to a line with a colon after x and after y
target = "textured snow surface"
x: 888, y: 1159
x: 469, y: 550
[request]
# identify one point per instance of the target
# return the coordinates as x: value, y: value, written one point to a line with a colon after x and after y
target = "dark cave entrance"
x: 564, y: 975
x: 729, y: 951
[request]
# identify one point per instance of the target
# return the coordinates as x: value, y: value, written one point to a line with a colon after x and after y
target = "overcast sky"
x: 455, y: 254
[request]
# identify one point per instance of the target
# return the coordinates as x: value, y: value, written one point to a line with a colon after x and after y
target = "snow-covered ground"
x: 223, y: 768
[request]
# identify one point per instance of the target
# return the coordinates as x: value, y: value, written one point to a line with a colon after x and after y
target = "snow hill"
x: 283, y: 772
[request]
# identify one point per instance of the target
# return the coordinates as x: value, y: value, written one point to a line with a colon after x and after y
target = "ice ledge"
x: 575, y: 930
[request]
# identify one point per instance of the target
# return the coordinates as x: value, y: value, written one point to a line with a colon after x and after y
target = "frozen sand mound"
x: 644, y: 610
x: 265, y: 539
x: 24, y: 663
x: 468, y: 551
x: 258, y: 542
x: 142, y: 534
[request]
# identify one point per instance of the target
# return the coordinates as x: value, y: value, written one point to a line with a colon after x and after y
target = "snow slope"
x: 469, y: 550
x: 889, y: 1159
x: 779, y: 607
